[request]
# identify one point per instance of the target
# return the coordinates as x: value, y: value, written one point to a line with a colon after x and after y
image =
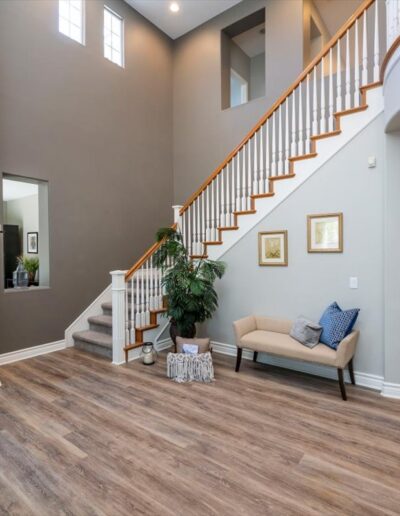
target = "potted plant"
x: 189, y: 284
x: 31, y: 265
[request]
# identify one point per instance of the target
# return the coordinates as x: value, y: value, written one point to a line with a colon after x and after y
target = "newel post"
x: 118, y: 289
x: 177, y: 216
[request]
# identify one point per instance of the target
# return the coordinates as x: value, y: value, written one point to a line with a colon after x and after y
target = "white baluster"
x: 255, y: 169
x: 273, y: 164
x: 138, y: 308
x: 212, y: 211
x: 323, y: 111
x: 198, y: 239
x: 238, y: 191
x: 244, y: 200
x: 147, y: 294
x: 315, y: 104
x: 203, y: 220
x: 232, y: 193
x: 330, y: 101
x: 132, y: 318
x: 208, y: 213
x: 338, y: 78
x: 262, y: 171
x: 308, y: 116
x: 376, y: 43
x: 280, y: 143
x: 301, y: 136
x: 142, y: 303
x: 347, y: 100
x: 159, y: 289
x: 364, y: 77
x: 217, y: 209
x: 356, y: 67
x: 151, y: 301
x: 287, y: 142
x: 249, y: 178
x: 189, y: 246
x: 223, y: 203
x: 293, y: 148
x: 229, y: 194
x: 267, y: 156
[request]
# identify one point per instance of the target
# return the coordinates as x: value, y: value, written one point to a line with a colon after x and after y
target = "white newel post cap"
x: 177, y: 208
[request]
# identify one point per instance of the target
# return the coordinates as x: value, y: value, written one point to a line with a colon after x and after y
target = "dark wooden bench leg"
x: 341, y: 384
x: 255, y: 356
x: 238, y: 359
x: 351, y: 371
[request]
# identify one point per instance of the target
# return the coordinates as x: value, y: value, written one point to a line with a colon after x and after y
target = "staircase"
x: 335, y: 97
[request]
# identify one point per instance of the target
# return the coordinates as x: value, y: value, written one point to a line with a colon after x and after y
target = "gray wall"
x: 312, y: 281
x: 204, y: 133
x: 392, y: 259
x: 257, y: 76
x: 100, y: 135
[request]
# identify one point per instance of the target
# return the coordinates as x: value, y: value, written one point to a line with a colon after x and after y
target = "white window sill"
x: 23, y: 289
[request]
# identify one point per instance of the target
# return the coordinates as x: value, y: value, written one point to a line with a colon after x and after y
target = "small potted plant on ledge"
x: 189, y: 284
x: 31, y: 265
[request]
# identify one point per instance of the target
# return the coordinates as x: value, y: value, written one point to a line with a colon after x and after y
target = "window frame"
x: 122, y: 37
x: 83, y: 22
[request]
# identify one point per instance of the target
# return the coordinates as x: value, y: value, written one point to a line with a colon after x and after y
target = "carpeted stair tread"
x: 94, y: 337
x: 101, y: 320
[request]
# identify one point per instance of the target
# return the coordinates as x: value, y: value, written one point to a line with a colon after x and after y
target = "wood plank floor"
x: 79, y: 436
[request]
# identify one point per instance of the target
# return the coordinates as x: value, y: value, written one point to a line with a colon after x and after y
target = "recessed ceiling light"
x: 174, y: 7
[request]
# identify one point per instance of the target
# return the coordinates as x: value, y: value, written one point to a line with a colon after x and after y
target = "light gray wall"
x: 100, y: 135
x: 240, y: 61
x: 312, y: 281
x: 24, y: 213
x: 257, y: 76
x: 392, y: 259
x: 204, y: 133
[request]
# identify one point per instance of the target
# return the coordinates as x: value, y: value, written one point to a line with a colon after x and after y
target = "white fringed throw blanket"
x: 182, y: 367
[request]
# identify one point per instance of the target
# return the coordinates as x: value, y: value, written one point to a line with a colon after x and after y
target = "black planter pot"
x: 174, y: 332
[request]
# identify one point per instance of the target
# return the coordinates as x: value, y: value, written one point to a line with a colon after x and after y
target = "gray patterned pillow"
x: 306, y: 332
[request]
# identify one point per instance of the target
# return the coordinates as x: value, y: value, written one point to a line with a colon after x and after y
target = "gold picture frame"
x: 325, y: 233
x: 273, y: 248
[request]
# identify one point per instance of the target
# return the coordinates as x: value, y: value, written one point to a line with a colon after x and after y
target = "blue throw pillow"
x: 336, y: 324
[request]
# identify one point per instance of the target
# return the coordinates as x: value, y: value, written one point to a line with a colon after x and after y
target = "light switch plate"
x: 353, y: 282
x: 371, y: 161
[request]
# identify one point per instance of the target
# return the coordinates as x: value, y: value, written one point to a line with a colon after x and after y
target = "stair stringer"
x: 351, y: 125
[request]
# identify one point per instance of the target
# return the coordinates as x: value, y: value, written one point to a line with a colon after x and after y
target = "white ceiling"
x: 192, y: 13
x: 252, y: 41
x: 18, y: 190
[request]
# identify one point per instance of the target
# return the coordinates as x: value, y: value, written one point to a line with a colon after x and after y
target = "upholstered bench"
x: 269, y: 335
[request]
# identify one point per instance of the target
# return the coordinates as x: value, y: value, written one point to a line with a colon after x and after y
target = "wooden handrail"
x: 388, y: 56
x: 145, y: 257
x: 341, y: 32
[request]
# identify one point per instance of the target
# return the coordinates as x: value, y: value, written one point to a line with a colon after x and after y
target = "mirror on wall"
x: 25, y: 233
x: 243, y: 60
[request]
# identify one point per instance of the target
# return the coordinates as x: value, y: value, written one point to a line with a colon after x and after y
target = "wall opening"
x: 25, y: 233
x: 243, y: 60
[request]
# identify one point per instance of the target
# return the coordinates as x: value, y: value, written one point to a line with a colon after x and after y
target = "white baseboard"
x: 391, y: 390
x: 34, y: 351
x: 363, y: 379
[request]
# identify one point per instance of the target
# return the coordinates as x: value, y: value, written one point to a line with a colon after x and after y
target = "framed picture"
x: 32, y: 243
x: 273, y: 248
x: 325, y: 233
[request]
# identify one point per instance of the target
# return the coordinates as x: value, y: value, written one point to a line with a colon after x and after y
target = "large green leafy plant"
x: 189, y: 284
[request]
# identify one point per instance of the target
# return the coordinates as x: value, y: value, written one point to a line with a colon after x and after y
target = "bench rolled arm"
x: 243, y: 326
x: 346, y: 349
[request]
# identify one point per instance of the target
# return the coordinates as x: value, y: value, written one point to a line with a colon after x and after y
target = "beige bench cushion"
x: 283, y: 345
